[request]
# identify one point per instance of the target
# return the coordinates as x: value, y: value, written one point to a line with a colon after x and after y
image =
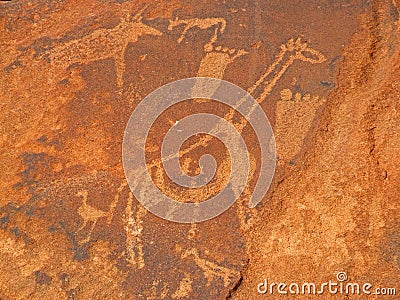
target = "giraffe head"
x: 300, y: 50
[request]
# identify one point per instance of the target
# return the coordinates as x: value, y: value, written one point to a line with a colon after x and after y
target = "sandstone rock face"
x: 71, y: 72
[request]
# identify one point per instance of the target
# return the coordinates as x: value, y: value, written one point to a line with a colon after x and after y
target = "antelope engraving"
x: 101, y: 44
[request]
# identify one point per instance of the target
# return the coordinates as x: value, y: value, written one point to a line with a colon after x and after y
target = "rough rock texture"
x: 338, y: 210
x: 71, y: 72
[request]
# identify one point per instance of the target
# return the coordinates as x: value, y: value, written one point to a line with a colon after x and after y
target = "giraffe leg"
x: 115, y: 202
x: 82, y: 226
x: 185, y: 30
x: 87, y: 239
x: 120, y: 69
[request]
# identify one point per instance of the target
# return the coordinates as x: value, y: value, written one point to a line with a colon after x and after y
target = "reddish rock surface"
x: 73, y: 71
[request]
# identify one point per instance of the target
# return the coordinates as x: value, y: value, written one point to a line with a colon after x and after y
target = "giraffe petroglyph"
x: 97, y: 46
x: 290, y: 52
x: 133, y: 233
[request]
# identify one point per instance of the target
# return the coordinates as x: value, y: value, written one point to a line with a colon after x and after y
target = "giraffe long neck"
x: 289, y: 53
x: 273, y: 73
